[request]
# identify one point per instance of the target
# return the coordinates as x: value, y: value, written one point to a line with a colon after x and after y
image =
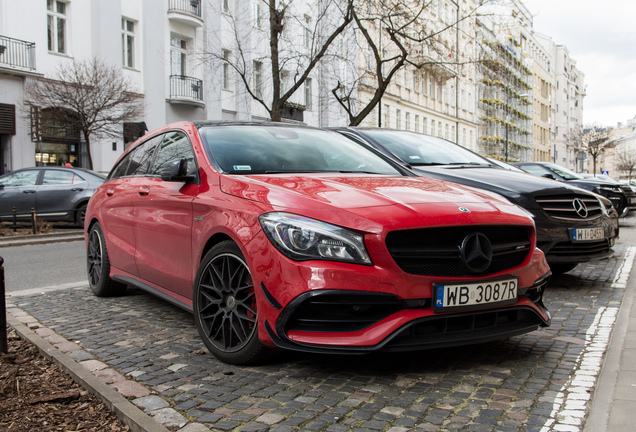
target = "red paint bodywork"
x: 157, y: 233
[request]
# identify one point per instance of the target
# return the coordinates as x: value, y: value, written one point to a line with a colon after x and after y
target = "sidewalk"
x: 143, y: 358
x: 71, y: 235
x: 614, y: 403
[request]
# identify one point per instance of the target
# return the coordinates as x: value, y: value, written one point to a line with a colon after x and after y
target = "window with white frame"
x: 307, y: 32
x: 308, y: 94
x: 178, y: 56
x: 416, y: 122
x: 432, y: 127
x: 424, y: 125
x: 398, y: 120
x: 407, y: 121
x: 56, y: 26
x: 258, y: 18
x: 258, y: 79
x: 128, y: 42
x: 227, y: 70
x: 416, y: 83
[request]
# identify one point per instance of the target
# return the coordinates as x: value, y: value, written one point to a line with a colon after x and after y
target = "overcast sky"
x: 601, y: 37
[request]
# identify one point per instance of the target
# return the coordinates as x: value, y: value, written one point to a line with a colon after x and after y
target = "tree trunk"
x: 88, y: 150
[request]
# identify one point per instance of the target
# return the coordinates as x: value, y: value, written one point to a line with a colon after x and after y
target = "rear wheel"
x: 80, y: 215
x: 225, y: 309
x: 98, y: 266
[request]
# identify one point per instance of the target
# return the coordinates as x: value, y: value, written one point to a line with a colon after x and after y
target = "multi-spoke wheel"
x: 98, y: 266
x: 80, y: 215
x: 225, y: 308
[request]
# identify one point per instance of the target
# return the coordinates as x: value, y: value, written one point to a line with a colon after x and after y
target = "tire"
x: 80, y: 215
x: 225, y: 307
x: 98, y: 266
x: 561, y: 268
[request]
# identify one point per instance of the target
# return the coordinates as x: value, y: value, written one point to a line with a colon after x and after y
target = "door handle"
x: 110, y: 192
x: 143, y: 190
x: 77, y: 189
x: 28, y: 192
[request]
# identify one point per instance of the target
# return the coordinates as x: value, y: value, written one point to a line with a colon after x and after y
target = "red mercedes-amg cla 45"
x: 279, y: 236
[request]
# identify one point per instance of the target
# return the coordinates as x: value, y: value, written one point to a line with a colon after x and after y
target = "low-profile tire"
x: 561, y: 268
x: 98, y: 266
x: 225, y: 307
x: 80, y: 215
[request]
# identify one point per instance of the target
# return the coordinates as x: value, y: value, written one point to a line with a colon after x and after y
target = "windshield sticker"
x: 414, y: 157
x: 242, y: 168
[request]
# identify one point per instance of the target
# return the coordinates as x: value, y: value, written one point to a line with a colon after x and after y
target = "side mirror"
x: 176, y: 170
x: 550, y: 176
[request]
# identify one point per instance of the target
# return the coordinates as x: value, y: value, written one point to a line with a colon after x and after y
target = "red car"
x: 279, y: 236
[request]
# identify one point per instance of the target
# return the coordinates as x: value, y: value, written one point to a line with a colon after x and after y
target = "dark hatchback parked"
x: 573, y: 226
x: 620, y: 195
x: 55, y: 193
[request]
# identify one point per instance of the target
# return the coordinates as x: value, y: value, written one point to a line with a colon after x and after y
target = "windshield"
x: 267, y: 149
x: 419, y: 149
x: 563, y: 172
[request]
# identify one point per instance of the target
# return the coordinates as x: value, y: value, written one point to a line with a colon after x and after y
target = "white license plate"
x: 587, y: 234
x: 475, y: 295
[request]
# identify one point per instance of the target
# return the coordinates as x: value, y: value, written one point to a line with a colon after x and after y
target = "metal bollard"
x: 4, y: 346
x: 33, y: 219
x: 15, y: 220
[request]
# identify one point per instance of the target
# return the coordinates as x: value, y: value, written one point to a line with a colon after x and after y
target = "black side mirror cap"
x: 176, y: 170
x: 550, y: 176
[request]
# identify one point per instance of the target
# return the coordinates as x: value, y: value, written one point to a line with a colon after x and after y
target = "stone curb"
x: 132, y: 416
x: 40, y: 239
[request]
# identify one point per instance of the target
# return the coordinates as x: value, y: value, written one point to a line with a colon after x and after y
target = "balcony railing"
x: 17, y: 54
x: 188, y: 6
x: 186, y: 88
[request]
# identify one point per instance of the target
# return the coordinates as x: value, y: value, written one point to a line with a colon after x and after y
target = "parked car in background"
x: 572, y: 224
x: 281, y: 236
x: 615, y: 192
x: 55, y: 193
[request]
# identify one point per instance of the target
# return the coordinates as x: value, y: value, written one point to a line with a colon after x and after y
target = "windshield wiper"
x: 427, y: 163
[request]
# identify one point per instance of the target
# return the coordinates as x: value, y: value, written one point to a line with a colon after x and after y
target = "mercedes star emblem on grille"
x: 476, y: 252
x: 579, y: 207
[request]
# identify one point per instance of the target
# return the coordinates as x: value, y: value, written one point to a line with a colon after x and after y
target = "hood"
x: 510, y: 184
x: 396, y: 202
x: 348, y: 192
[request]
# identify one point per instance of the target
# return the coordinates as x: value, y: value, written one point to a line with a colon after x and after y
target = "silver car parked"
x: 55, y: 193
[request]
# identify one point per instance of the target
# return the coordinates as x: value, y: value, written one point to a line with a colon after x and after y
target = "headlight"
x: 301, y: 238
x: 610, y: 189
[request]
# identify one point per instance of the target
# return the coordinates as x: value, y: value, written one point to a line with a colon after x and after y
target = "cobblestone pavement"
x: 541, y: 381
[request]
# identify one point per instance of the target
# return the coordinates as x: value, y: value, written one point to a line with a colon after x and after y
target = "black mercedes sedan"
x: 620, y: 195
x: 573, y: 225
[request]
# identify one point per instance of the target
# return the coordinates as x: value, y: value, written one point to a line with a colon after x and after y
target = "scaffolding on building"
x: 504, y: 100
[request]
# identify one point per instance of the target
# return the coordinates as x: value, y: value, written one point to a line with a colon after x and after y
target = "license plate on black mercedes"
x: 587, y: 234
x: 474, y: 295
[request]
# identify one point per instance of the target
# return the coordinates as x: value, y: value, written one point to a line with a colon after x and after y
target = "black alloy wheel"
x: 225, y: 308
x: 98, y: 266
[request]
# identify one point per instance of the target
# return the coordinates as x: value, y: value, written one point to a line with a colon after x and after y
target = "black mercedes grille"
x: 566, y: 249
x: 437, y: 251
x: 563, y: 207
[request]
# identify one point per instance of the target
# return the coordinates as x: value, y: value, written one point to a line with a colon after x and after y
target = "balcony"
x: 186, y: 90
x: 17, y: 54
x: 186, y: 11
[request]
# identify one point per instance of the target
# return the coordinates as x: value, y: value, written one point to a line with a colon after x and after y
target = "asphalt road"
x: 44, y: 267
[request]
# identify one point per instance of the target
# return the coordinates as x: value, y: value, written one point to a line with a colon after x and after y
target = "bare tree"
x: 297, y: 40
x: 626, y: 160
x: 90, y: 96
x: 393, y: 34
x: 592, y: 141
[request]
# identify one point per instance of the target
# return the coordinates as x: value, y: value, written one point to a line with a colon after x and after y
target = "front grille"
x: 566, y: 249
x: 562, y: 207
x: 342, y: 312
x: 449, y: 330
x: 437, y: 251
